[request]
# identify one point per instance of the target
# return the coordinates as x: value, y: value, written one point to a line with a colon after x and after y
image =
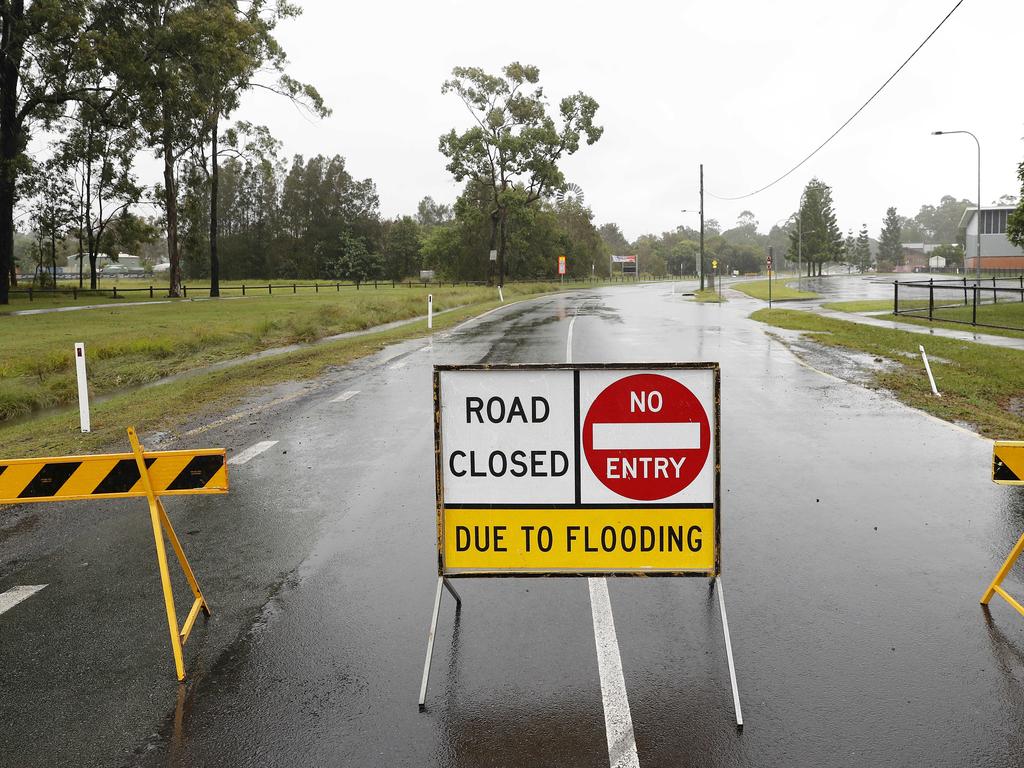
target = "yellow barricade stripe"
x: 1008, y: 462
x: 112, y: 476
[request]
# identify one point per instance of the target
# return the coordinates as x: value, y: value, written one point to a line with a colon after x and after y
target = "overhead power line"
x: 850, y: 118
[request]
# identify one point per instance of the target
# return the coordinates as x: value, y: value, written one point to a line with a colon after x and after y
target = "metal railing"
x: 992, y: 302
x: 254, y: 288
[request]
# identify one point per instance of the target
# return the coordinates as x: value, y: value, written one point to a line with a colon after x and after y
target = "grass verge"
x: 708, y: 296
x: 758, y: 289
x: 165, y: 407
x: 980, y: 385
x: 129, y: 346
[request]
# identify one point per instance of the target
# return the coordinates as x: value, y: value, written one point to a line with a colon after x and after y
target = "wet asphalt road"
x: 857, y: 537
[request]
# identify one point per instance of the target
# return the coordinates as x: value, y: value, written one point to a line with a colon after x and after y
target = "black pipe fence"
x: 247, y: 289
x: 992, y: 302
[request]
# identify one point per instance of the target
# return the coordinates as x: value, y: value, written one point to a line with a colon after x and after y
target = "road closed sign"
x: 577, y: 469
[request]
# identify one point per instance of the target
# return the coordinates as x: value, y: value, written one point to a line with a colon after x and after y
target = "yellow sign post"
x: 148, y: 474
x: 1007, y: 469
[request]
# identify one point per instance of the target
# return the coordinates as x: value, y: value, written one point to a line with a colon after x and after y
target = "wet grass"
x: 171, y: 406
x: 869, y: 305
x: 708, y: 296
x: 129, y: 346
x: 1009, y: 314
x: 980, y: 385
x: 758, y: 289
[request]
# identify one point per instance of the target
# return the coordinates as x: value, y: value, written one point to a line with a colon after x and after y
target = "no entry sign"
x: 577, y: 469
x: 646, y: 437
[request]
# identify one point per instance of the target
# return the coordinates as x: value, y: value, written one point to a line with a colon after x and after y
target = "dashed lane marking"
x: 345, y: 396
x: 252, y: 452
x: 15, y: 595
x: 248, y: 412
x: 618, y: 722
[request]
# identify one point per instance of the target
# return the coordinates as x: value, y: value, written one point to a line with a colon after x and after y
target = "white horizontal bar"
x: 15, y: 595
x: 647, y: 437
x: 252, y: 452
x: 345, y: 396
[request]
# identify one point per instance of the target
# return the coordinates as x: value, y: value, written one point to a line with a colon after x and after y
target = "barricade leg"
x: 442, y: 583
x: 161, y: 523
x: 995, y: 587
x: 200, y: 603
x: 728, y: 651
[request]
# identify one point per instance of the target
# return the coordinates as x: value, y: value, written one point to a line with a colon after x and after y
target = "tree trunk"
x: 11, y: 49
x: 171, y: 208
x: 502, y: 237
x: 493, y: 246
x: 7, y: 277
x: 214, y: 260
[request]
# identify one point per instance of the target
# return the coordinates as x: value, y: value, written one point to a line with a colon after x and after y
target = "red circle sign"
x: 646, y: 437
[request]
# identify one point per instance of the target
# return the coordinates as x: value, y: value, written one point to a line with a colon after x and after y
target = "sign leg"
x: 728, y: 650
x: 450, y: 588
x: 430, y: 641
x: 998, y: 580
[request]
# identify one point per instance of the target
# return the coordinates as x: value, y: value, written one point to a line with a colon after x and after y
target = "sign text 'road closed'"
x: 577, y: 469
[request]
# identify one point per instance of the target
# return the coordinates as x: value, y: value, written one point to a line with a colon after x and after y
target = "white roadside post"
x: 501, y: 295
x: 430, y: 310
x: 928, y: 368
x: 83, y: 387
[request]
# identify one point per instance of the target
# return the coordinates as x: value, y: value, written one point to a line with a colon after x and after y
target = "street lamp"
x: 977, y: 255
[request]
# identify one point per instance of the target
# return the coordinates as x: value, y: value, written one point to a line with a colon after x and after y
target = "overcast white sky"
x: 746, y: 87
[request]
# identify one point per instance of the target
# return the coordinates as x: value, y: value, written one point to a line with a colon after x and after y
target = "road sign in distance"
x: 561, y: 265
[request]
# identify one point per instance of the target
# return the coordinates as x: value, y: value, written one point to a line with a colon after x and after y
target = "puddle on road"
x: 846, y: 364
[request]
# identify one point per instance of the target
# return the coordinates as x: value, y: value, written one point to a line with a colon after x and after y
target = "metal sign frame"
x: 715, y: 370
x: 714, y: 574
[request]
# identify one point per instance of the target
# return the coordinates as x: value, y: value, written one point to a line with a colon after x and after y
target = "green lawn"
x: 131, y: 290
x: 128, y: 346
x: 869, y: 305
x: 708, y: 296
x: 980, y: 384
x: 758, y: 289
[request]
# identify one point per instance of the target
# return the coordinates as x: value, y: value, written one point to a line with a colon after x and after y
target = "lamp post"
x: 977, y: 256
x: 701, y: 211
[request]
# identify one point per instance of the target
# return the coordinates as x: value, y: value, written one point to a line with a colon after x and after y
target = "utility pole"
x: 702, y: 226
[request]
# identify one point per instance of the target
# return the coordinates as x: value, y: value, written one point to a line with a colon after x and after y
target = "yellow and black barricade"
x: 139, y: 474
x: 1007, y: 469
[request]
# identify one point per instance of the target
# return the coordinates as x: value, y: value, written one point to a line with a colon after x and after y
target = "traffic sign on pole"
x: 561, y: 265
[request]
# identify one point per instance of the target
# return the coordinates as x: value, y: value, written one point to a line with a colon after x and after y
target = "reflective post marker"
x: 430, y: 310
x: 83, y: 387
x: 928, y: 368
x: 501, y: 295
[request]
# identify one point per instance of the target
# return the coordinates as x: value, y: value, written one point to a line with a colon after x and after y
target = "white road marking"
x: 427, y: 348
x: 568, y: 338
x: 345, y: 396
x: 618, y: 723
x: 647, y: 436
x: 15, y: 595
x: 249, y: 412
x: 252, y: 452
x: 398, y: 366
